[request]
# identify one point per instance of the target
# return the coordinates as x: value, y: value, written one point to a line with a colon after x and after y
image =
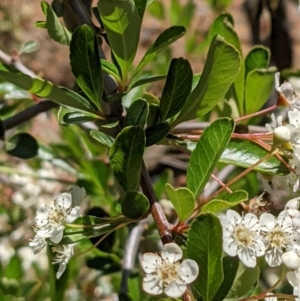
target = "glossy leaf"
x: 177, y: 88
x: 126, y: 157
x: 54, y: 27
x: 90, y: 226
x: 153, y: 115
x: 46, y: 89
x: 242, y: 153
x: 247, y: 153
x: 257, y: 58
x: 29, y: 47
x: 258, y: 88
x: 230, y: 267
x: 102, y: 138
x: 22, y: 145
x: 207, y: 153
x: 137, y: 113
x: 86, y: 64
x: 183, y: 201
x: 141, y: 6
x: 224, y: 26
x: 220, y: 70
x: 204, y: 245
x: 80, y: 117
x: 111, y: 69
x: 122, y: 23
x: 156, y: 133
x: 134, y: 204
x: 230, y: 200
x: 244, y: 281
x: 165, y: 39
x: 146, y: 80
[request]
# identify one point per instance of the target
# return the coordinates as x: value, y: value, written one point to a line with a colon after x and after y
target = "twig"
x: 16, y: 63
x: 28, y: 114
x: 155, y: 208
x: 131, y: 248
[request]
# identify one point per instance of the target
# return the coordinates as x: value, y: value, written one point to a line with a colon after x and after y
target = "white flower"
x: 288, y: 97
x: 241, y: 237
x: 51, y: 221
x: 276, y: 234
x: 63, y: 255
x: 291, y: 260
x: 165, y: 273
x: 37, y: 244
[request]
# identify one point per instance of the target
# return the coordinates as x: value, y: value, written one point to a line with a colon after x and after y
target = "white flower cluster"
x: 166, y: 274
x: 286, y: 137
x: 51, y: 222
x: 276, y: 238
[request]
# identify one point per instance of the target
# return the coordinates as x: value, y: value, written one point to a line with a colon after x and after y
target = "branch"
x: 130, y: 252
x: 29, y: 113
x: 16, y: 63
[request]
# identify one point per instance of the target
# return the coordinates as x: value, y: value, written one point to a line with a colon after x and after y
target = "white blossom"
x: 51, y: 221
x: 276, y: 234
x: 62, y: 257
x: 166, y: 274
x: 241, y: 237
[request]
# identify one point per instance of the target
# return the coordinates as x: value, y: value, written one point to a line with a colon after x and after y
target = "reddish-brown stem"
x: 257, y: 113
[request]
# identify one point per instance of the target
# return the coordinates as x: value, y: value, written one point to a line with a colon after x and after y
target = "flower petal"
x: 77, y: 194
x: 230, y: 246
x: 73, y: 214
x: 57, y: 238
x: 63, y: 201
x: 152, y: 285
x: 188, y: 270
x: 171, y: 252
x: 150, y: 262
x: 175, y: 289
x: 42, y: 216
x: 247, y: 257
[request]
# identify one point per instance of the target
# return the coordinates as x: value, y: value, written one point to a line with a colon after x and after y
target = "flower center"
x: 168, y: 271
x: 243, y: 236
x: 278, y: 238
x: 57, y: 217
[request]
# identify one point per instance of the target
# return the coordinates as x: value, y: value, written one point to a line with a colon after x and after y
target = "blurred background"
x: 66, y: 156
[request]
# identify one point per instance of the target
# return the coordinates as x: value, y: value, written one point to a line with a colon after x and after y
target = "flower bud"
x: 281, y: 135
x: 291, y: 260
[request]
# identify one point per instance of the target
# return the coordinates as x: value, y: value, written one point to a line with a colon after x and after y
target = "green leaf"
x: 29, y: 47
x: 153, y: 115
x: 257, y: 58
x: 258, y: 88
x: 86, y: 63
x: 22, y: 145
x: 126, y: 157
x: 55, y: 29
x: 245, y: 279
x: 102, y: 138
x: 111, y: 69
x: 165, y: 39
x: 90, y: 226
x: 207, y: 153
x: 224, y: 26
x: 247, y: 153
x: 40, y: 24
x: 230, y: 267
x: 204, y: 245
x: 183, y: 201
x: 156, y: 132
x: 137, y: 113
x: 141, y: 6
x: 230, y: 200
x: 177, y: 88
x: 146, y: 80
x: 46, y: 89
x: 122, y: 23
x: 134, y: 204
x: 80, y: 117
x: 241, y: 153
x: 220, y: 70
